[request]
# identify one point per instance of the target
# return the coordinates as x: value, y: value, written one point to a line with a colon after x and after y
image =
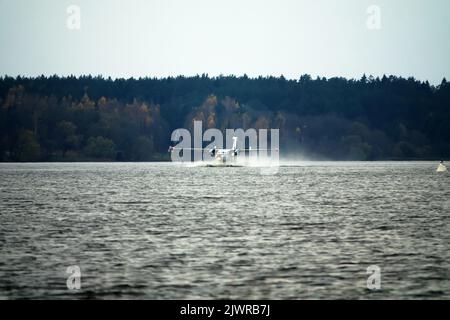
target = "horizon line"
x: 369, y: 77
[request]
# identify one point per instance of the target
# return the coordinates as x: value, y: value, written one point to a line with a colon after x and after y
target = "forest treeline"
x: 95, y: 118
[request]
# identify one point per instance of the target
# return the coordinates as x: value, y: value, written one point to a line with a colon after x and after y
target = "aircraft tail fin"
x: 234, y: 143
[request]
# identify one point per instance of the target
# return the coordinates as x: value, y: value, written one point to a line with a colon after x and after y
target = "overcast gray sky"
x: 135, y: 38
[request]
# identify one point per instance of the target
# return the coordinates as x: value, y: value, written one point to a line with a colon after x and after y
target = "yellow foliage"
x: 211, y: 101
x: 211, y: 123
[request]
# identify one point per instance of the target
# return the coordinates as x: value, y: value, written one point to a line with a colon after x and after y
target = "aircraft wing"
x: 195, y: 149
x: 250, y: 149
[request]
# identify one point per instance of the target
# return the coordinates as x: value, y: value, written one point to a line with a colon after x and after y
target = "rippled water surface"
x: 162, y: 230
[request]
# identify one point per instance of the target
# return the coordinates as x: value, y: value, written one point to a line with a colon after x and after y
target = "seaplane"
x: 223, y: 157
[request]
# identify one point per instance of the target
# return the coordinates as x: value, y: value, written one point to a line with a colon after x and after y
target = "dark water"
x: 162, y: 230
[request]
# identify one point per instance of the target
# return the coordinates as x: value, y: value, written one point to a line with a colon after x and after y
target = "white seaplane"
x: 222, y: 157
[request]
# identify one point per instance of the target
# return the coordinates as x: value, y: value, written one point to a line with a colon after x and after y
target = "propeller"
x: 213, y: 151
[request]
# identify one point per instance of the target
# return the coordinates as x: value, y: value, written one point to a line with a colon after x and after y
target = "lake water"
x: 165, y: 230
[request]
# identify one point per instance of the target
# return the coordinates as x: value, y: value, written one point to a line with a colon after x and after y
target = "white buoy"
x: 441, y: 168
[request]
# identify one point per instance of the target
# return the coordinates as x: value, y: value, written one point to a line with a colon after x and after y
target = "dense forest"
x: 93, y: 118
